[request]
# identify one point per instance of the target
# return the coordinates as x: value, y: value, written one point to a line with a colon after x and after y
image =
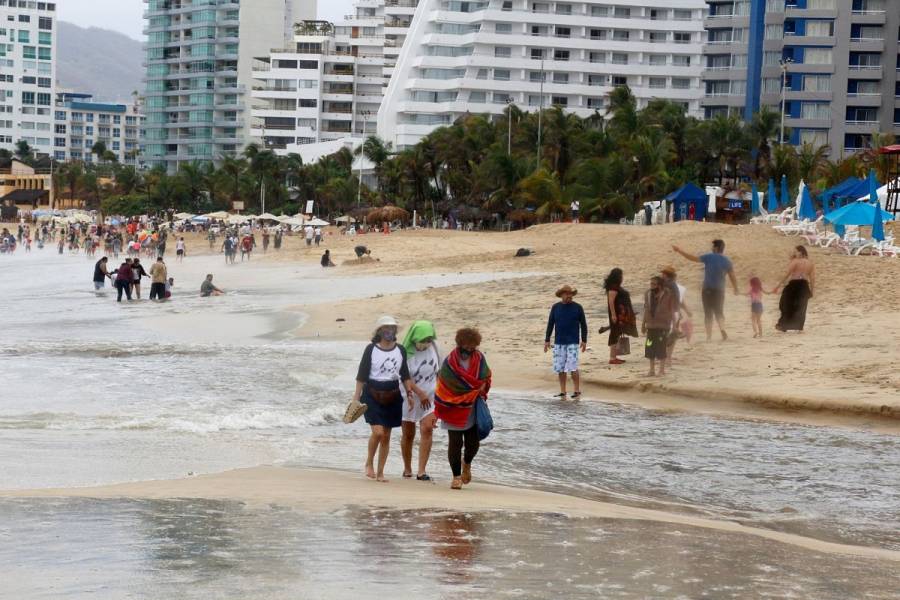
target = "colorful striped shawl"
x: 459, y: 388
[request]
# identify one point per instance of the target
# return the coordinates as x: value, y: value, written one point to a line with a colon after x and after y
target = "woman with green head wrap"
x: 424, y: 362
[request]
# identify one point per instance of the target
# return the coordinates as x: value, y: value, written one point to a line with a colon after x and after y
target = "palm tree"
x: 376, y: 151
x: 622, y: 113
x: 763, y: 130
x: 812, y: 161
x: 541, y: 190
x: 24, y: 152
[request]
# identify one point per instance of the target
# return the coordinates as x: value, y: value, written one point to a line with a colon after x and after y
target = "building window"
x: 501, y: 74
x: 560, y: 101
x: 561, y: 55
x: 503, y: 28
x: 537, y: 53
x: 682, y: 37
x: 657, y: 83
x: 561, y: 78
x: 478, y: 97
x: 502, y: 51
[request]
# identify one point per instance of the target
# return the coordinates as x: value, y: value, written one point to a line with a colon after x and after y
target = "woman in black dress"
x: 622, y: 320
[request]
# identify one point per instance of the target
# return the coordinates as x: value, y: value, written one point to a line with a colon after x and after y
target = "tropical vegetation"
x: 518, y: 166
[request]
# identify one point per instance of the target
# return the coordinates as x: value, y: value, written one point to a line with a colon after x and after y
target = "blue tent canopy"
x: 685, y: 196
x: 837, y: 191
x: 853, y: 192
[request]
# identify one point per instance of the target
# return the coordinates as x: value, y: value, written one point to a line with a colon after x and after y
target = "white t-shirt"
x: 423, y: 369
x: 318, y: 232
x: 682, y: 292
x: 576, y: 205
x: 179, y: 245
x: 309, y: 233
x: 386, y: 364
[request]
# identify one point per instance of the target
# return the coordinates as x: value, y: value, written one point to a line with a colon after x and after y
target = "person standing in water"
x: 716, y: 267
x: 568, y: 319
x: 424, y: 361
x: 382, y: 370
x: 137, y: 272
x: 123, y: 280
x: 158, y: 277
x: 101, y: 274
x: 464, y: 378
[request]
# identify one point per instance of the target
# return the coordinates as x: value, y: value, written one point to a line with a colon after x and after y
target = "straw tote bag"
x: 354, y: 411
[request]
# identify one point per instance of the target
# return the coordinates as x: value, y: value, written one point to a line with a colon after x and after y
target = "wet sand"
x: 194, y: 548
x: 321, y: 490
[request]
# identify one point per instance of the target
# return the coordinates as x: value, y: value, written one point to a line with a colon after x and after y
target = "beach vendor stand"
x: 689, y: 203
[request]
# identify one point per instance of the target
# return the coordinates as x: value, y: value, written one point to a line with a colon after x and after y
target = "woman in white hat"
x: 381, y: 371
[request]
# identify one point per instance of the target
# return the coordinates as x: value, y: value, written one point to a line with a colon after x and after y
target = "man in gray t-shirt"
x: 716, y: 267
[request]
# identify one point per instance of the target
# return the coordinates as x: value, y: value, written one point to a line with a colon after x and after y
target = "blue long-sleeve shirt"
x: 569, y: 321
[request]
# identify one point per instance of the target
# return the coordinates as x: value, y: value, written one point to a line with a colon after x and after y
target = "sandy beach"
x: 194, y: 442
x: 840, y: 364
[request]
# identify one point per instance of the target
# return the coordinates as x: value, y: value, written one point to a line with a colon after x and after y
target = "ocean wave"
x: 106, y: 350
x: 249, y: 420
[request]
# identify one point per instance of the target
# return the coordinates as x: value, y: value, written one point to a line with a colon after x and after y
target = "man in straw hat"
x: 682, y: 312
x: 567, y: 318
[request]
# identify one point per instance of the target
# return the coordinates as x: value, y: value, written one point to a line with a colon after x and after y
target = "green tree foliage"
x: 483, y: 166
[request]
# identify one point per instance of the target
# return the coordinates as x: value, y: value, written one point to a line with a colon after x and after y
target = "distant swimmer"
x: 158, y: 277
x: 326, y: 259
x: 208, y: 289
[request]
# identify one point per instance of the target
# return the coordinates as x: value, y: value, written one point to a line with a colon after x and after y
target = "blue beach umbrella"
x: 873, y: 187
x: 857, y: 213
x: 773, y: 196
x: 785, y: 197
x: 806, y: 206
x: 754, y: 208
x: 877, y: 224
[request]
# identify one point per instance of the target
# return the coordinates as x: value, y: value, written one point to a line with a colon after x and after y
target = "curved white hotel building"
x: 478, y: 56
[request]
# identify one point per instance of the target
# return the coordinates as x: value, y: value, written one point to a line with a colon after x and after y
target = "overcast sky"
x: 127, y: 15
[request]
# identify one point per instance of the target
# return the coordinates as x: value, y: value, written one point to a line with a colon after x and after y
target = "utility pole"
x: 262, y: 197
x: 540, y: 111
x: 784, y: 69
x: 509, y: 106
x: 365, y: 115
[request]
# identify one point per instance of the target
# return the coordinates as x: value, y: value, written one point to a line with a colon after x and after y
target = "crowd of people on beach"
x: 666, y: 317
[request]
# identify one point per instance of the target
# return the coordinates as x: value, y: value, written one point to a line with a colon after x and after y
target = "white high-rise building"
x: 328, y: 86
x: 27, y: 74
x: 199, y: 59
x: 81, y: 123
x: 479, y: 56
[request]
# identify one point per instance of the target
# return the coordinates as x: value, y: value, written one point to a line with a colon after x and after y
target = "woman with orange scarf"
x: 463, y: 379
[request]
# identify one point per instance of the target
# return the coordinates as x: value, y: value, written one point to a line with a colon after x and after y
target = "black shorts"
x: 713, y: 304
x: 655, y: 346
x: 179, y: 252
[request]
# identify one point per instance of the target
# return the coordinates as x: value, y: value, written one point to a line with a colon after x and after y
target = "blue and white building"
x: 833, y: 63
x: 79, y: 123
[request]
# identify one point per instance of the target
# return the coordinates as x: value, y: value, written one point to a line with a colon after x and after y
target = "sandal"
x: 423, y: 477
x: 617, y: 361
x: 407, y: 475
x: 456, y: 484
x: 576, y: 395
x: 561, y: 395
x: 467, y: 473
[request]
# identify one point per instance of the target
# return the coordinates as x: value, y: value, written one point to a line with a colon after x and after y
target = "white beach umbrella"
x: 317, y: 223
x: 221, y: 214
x: 345, y: 219
x: 183, y: 216
x: 267, y: 217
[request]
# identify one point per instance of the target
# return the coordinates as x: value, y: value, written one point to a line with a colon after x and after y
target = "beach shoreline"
x: 826, y: 375
x: 323, y: 490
